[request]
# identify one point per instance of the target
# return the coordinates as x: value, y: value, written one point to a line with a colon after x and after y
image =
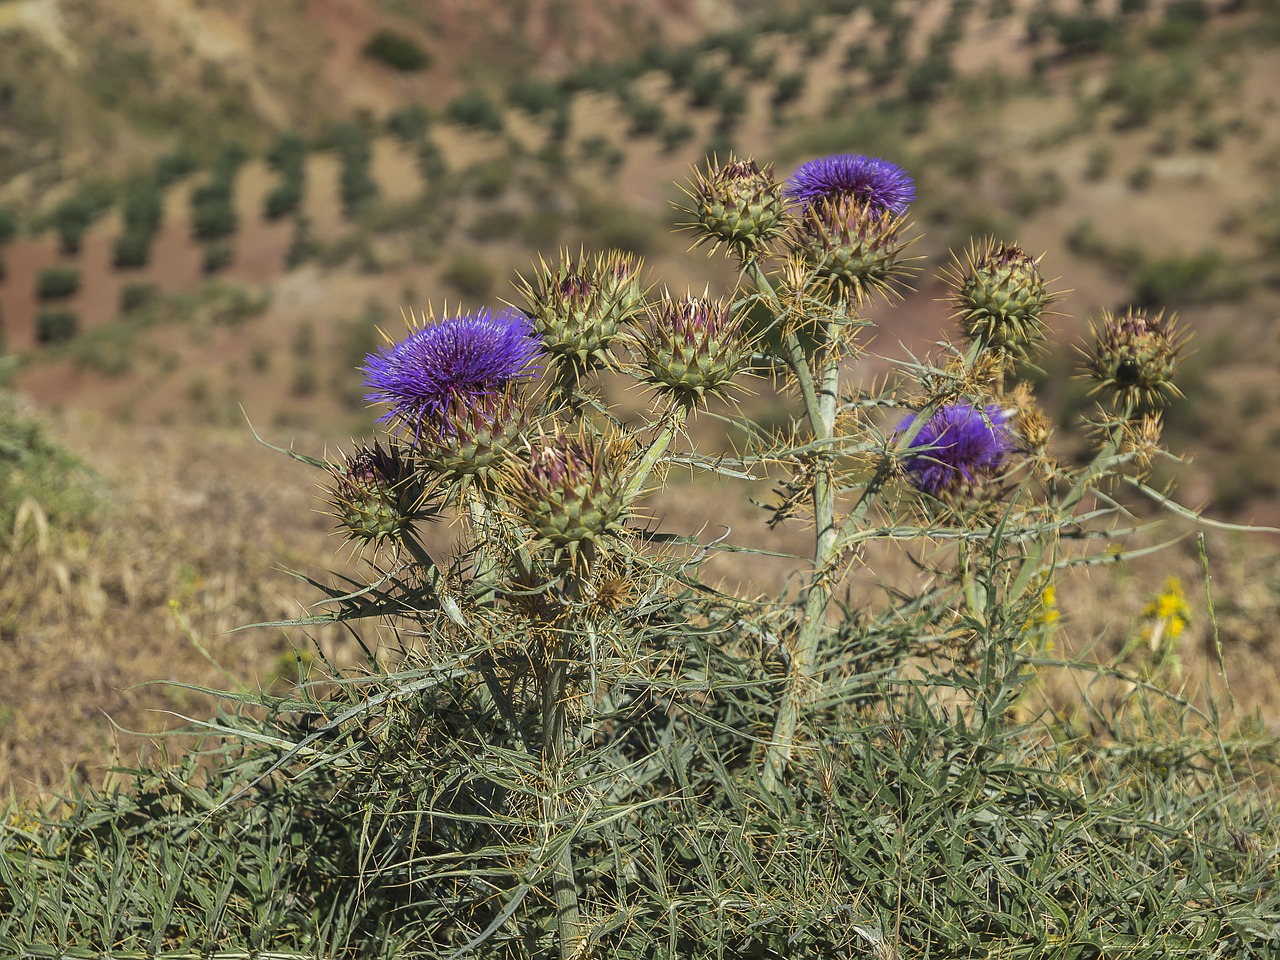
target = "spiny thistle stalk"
x: 1134, y: 358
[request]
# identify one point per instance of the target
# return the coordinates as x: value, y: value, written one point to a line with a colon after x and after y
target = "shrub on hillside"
x: 409, y: 123
x: 474, y: 108
x: 135, y: 296
x: 172, y: 167
x: 131, y: 250
x: 57, y: 283
x: 396, y: 50
x: 8, y: 224
x: 218, y: 255
x: 56, y: 326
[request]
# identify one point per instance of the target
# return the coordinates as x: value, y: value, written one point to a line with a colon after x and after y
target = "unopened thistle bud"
x: 853, y: 244
x: 693, y: 348
x: 377, y: 494
x: 1000, y: 297
x: 738, y: 205
x: 572, y: 491
x: 1134, y: 358
x: 473, y: 442
x: 579, y: 307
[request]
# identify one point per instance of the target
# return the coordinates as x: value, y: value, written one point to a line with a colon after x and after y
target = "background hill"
x: 208, y: 209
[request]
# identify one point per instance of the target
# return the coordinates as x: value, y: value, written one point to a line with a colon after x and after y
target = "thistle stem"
x: 671, y: 425
x: 821, y: 408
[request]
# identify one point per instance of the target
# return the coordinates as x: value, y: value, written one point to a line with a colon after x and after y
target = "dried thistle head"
x: 1030, y: 422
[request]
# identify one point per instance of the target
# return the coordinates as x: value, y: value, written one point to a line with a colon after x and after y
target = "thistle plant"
x: 584, y: 746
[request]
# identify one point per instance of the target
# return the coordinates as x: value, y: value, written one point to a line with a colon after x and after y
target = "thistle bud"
x: 377, y: 494
x: 738, y: 205
x: 579, y: 307
x: 694, y: 348
x: 474, y: 441
x: 1134, y: 357
x: 572, y: 491
x: 852, y: 243
x: 999, y: 298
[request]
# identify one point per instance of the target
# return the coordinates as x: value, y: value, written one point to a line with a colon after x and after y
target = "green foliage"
x: 8, y: 224
x: 536, y: 97
x: 218, y: 255
x: 475, y: 108
x: 39, y: 483
x: 213, y: 211
x: 395, y: 50
x: 57, y: 283
x: 136, y: 296
x: 56, y: 326
x: 72, y: 216
x: 288, y: 156
x: 172, y: 167
x: 409, y: 123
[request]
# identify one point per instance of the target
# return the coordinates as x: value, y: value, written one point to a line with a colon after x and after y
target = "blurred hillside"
x: 208, y: 209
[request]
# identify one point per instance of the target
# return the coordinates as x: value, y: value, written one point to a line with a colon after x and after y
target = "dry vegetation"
x: 1143, y: 171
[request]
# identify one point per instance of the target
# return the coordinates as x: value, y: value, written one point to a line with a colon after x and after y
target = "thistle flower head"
x: 999, y: 297
x: 693, y: 347
x: 378, y: 494
x: 572, y: 491
x: 451, y: 363
x: 879, y: 184
x: 738, y: 205
x: 854, y: 245
x: 958, y: 446
x: 1135, y: 357
x: 580, y: 305
x: 478, y: 439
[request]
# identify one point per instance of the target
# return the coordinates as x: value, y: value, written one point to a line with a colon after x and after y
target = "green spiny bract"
x: 1000, y: 297
x: 692, y: 348
x: 475, y: 441
x: 1135, y: 357
x: 738, y: 205
x: 851, y: 244
x: 579, y: 307
x: 378, y: 494
x: 572, y: 490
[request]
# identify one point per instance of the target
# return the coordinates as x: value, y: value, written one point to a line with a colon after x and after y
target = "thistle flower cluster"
x: 694, y: 347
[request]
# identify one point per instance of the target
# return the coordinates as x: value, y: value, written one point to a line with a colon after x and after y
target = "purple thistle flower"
x: 456, y: 361
x: 876, y: 182
x: 959, y: 444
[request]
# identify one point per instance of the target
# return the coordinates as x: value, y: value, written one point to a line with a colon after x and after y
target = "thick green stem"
x: 821, y: 407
